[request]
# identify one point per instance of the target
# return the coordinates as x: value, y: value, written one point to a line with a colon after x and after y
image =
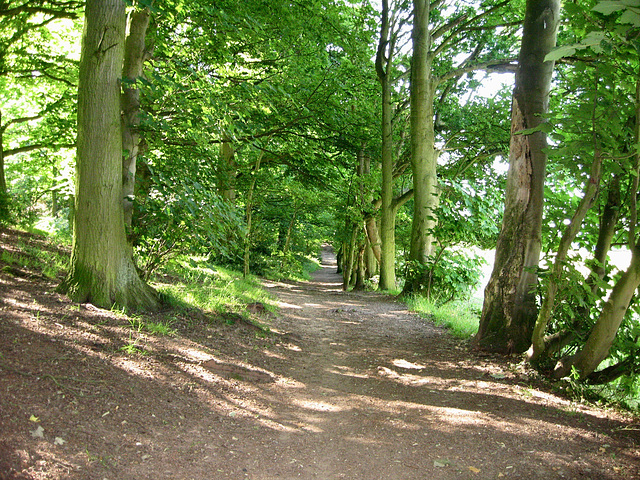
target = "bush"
x: 452, y: 275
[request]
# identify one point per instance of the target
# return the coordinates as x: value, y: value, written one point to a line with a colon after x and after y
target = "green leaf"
x: 632, y: 17
x: 607, y: 7
x: 560, y: 52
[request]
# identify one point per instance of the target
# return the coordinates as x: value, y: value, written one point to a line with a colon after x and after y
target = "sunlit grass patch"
x: 194, y: 283
x: 461, y: 318
x: 49, y: 261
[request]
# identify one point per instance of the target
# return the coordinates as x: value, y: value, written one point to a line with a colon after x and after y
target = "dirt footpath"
x: 349, y: 386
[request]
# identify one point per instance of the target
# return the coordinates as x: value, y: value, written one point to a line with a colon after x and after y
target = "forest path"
x: 348, y: 386
x: 378, y: 393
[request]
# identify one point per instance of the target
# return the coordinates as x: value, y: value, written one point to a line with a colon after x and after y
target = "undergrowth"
x: 191, y: 282
x: 51, y: 262
x: 461, y: 318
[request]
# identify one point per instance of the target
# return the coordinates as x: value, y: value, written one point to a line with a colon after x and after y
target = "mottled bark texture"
x: 102, y: 270
x: 424, y: 156
x: 134, y: 58
x: 510, y: 311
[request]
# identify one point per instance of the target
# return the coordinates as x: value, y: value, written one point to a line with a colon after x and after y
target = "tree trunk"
x: 373, y: 253
x: 387, y: 213
x: 249, y: 208
x: 350, y: 257
x: 604, y: 332
x: 424, y: 155
x: 227, y: 169
x: 287, y: 240
x: 548, y: 304
x: 509, y: 312
x: 4, y: 194
x: 102, y: 270
x: 608, y: 220
x: 134, y: 58
x: 360, y: 269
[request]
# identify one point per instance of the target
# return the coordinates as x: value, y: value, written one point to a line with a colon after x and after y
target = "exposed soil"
x: 347, y: 386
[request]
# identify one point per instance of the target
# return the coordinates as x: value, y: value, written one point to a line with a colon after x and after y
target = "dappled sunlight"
x: 317, y: 405
x: 193, y: 353
x: 400, y: 363
x: 338, y: 378
x: 287, y: 305
x: 287, y: 382
x: 346, y: 371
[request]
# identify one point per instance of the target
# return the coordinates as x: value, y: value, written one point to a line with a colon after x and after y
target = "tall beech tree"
x: 384, y: 63
x: 438, y: 36
x: 509, y: 311
x: 102, y: 270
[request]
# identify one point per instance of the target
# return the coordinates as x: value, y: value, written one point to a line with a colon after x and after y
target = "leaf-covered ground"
x: 346, y: 386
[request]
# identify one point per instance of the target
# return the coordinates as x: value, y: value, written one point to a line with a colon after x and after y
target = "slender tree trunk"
x: 509, y: 312
x: 548, y: 304
x: 424, y: 155
x: 227, y: 169
x: 134, y: 58
x: 292, y: 222
x: 350, y: 257
x: 4, y: 194
x: 601, y: 337
x: 604, y: 332
x: 372, y: 233
x: 361, y: 268
x: 102, y: 270
x: 387, y: 213
x: 371, y: 228
x: 54, y: 194
x: 249, y: 215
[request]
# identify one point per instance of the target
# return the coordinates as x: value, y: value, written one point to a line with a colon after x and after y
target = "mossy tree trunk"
x: 102, y: 270
x: 509, y: 312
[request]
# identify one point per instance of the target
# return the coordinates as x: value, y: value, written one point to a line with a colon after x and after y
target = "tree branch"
x: 504, y: 65
x: 4, y: 127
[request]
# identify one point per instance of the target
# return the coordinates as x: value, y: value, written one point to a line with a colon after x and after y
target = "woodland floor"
x: 347, y: 386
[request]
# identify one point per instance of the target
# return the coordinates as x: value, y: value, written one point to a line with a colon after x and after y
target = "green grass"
x: 191, y: 282
x: 460, y: 318
x: 33, y: 257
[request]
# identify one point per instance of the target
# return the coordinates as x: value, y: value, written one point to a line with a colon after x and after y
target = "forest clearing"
x: 345, y: 385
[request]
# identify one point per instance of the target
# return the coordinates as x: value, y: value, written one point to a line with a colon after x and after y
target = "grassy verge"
x: 193, y: 283
x: 40, y: 256
x: 459, y: 317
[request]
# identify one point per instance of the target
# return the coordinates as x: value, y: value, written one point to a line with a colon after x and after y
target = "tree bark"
x: 538, y: 345
x: 424, y: 155
x: 226, y: 169
x: 387, y: 214
x: 4, y: 194
x: 249, y: 215
x: 102, y: 270
x: 134, y: 58
x: 601, y: 337
x: 509, y: 312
